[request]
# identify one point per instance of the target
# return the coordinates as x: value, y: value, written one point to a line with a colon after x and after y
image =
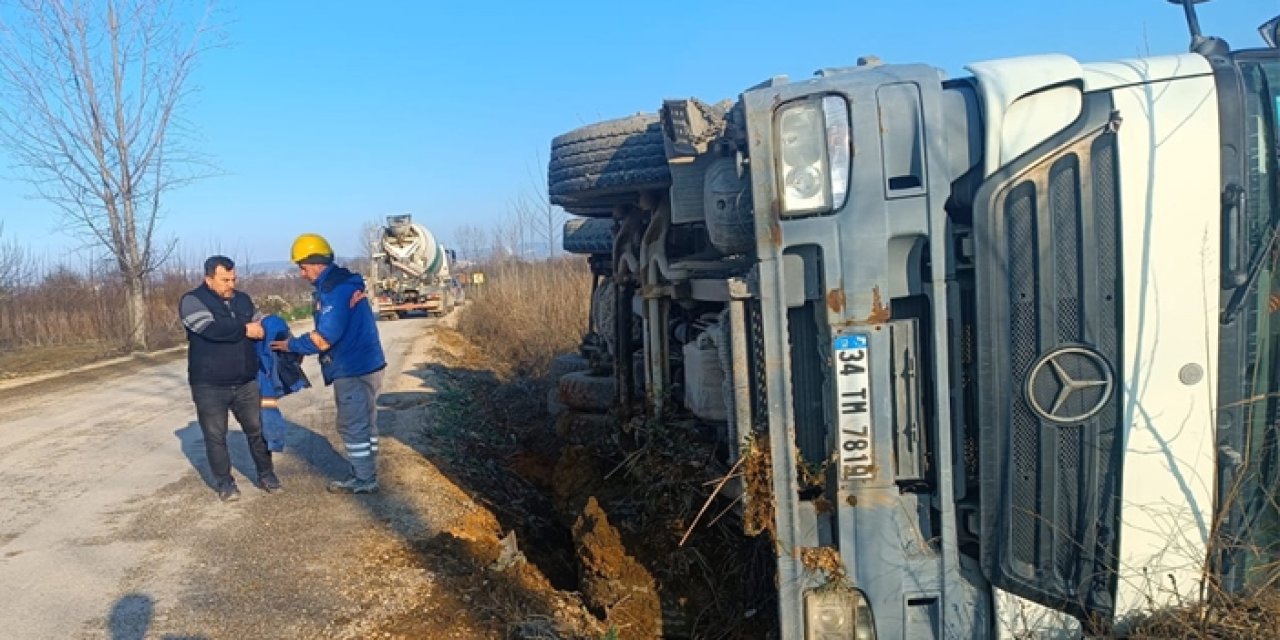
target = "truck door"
x: 1246, y: 539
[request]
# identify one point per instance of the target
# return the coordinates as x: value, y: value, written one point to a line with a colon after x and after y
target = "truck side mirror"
x: 1270, y: 32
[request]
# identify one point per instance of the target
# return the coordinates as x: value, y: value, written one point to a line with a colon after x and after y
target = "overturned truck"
x: 1008, y: 340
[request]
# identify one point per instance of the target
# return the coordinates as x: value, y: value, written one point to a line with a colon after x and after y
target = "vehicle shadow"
x: 131, y: 618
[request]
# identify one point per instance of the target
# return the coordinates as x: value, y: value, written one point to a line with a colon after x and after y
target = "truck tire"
x: 607, y: 163
x: 554, y: 406
x: 582, y: 391
x: 589, y: 211
x: 567, y: 363
x: 588, y: 235
x: 604, y: 308
x: 577, y: 427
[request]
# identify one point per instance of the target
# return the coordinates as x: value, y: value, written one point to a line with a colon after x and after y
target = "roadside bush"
x: 277, y: 305
x: 60, y: 317
x: 62, y: 307
x: 526, y: 313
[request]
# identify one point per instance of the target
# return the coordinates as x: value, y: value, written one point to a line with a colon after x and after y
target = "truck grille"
x: 1050, y: 448
x: 759, y: 382
x: 808, y: 391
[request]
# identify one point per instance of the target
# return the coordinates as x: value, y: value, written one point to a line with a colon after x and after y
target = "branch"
x: 89, y: 95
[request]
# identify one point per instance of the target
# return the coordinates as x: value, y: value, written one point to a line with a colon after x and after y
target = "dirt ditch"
x: 619, y: 517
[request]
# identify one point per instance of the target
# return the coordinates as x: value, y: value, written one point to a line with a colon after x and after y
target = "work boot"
x: 229, y: 492
x: 269, y: 482
x: 354, y: 485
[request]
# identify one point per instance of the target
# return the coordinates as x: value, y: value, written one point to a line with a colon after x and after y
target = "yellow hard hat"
x: 311, y: 246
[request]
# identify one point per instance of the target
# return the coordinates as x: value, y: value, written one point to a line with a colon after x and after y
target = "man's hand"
x: 279, y: 345
x: 254, y: 331
x: 356, y: 298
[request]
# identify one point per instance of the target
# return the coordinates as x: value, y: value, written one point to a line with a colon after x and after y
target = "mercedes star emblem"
x: 1069, y: 385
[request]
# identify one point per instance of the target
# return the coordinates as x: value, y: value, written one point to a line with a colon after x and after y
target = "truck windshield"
x: 1256, y: 487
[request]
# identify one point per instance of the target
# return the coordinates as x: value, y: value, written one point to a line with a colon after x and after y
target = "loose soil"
x: 592, y: 520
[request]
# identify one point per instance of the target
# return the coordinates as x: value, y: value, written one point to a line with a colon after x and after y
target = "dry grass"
x: 35, y: 360
x: 757, y: 474
x: 527, y: 313
x: 70, y: 309
x: 67, y: 318
x: 1256, y: 615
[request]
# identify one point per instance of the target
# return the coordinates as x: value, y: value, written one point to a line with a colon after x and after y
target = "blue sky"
x: 322, y: 115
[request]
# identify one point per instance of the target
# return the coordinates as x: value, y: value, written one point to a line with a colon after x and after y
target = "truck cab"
x: 1010, y: 338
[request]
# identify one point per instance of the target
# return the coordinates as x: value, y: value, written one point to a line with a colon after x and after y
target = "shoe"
x: 229, y: 492
x: 353, y: 485
x: 269, y: 482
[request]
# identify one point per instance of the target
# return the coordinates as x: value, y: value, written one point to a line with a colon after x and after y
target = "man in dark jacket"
x: 351, y: 358
x: 222, y: 368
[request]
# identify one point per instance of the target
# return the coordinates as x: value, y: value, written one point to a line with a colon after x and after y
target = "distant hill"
x: 282, y: 267
x: 272, y: 267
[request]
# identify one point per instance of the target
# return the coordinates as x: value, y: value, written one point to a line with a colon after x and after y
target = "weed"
x: 81, y: 314
x: 529, y: 313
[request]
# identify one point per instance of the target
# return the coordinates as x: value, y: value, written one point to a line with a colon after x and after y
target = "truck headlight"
x: 837, y: 614
x: 813, y: 154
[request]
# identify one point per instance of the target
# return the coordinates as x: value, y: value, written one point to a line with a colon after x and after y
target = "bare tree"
x: 15, y: 265
x: 471, y: 242
x: 371, y: 241
x: 371, y: 233
x: 524, y: 224
x: 540, y: 219
x: 545, y: 220
x: 92, y: 91
x: 510, y: 234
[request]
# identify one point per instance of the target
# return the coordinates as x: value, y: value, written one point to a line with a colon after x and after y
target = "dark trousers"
x: 244, y: 401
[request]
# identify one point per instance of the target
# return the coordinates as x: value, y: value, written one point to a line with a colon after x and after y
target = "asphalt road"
x: 108, y: 528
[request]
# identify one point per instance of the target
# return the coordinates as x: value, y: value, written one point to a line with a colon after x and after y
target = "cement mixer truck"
x: 410, y: 270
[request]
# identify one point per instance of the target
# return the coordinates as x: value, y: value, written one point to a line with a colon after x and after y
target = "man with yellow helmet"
x: 351, y: 358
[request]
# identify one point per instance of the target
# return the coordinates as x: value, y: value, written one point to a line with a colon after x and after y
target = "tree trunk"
x: 136, y: 313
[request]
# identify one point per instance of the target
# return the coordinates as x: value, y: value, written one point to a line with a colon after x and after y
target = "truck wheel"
x: 554, y: 406
x: 604, y: 308
x: 607, y: 163
x: 588, y: 235
x: 589, y: 211
x: 576, y: 427
x: 567, y: 363
x: 585, y: 392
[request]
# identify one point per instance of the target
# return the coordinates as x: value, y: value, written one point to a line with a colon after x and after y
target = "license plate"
x: 853, y: 384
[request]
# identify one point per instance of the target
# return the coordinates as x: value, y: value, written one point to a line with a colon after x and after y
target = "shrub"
x: 80, y: 312
x: 527, y: 313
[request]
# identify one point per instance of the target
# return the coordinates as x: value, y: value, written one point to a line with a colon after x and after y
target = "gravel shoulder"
x: 113, y: 532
